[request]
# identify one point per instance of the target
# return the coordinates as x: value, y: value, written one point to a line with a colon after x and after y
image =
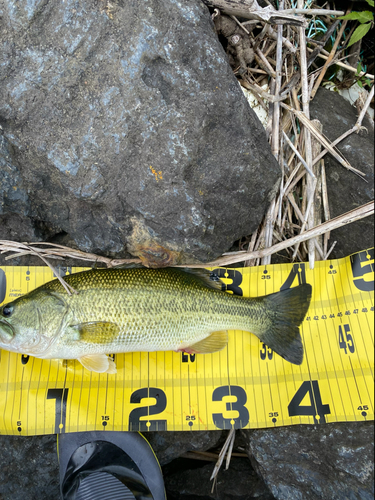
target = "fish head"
x: 30, y: 324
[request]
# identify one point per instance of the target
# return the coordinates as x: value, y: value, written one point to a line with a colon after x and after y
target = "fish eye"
x: 7, y: 311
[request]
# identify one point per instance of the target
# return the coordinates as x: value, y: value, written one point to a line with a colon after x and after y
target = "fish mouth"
x: 7, y: 332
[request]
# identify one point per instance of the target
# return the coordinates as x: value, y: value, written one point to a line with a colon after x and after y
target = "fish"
x: 139, y: 309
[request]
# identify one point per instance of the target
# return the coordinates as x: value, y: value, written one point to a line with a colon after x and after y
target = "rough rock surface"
x: 239, y: 482
x: 346, y: 190
x: 124, y: 127
x: 329, y: 461
x: 29, y: 468
x: 170, y: 445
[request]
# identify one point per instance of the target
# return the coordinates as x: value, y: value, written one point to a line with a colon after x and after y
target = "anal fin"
x: 99, y: 363
x: 213, y: 343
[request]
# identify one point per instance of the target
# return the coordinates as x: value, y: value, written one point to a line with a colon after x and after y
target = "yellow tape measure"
x: 246, y: 385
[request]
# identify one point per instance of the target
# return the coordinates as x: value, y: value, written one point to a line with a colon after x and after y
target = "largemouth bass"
x: 127, y: 310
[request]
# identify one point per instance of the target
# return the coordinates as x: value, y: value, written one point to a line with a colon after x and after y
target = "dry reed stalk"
x: 315, y: 12
x: 250, y: 262
x: 330, y: 57
x: 347, y: 67
x: 263, y: 63
x: 347, y: 218
x: 269, y: 224
x: 240, y: 24
x: 326, y: 210
x: 295, y: 151
x: 276, y: 106
x: 227, y: 445
x: 315, y: 218
x: 325, y: 143
x: 55, y: 251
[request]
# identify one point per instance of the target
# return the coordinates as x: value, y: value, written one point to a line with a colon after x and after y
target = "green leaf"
x: 359, y: 67
x: 370, y: 2
x: 352, y: 16
x: 366, y: 16
x: 359, y: 33
x: 362, y: 17
x: 360, y: 84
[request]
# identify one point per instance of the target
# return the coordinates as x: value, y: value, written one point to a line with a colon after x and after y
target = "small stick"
x: 272, y: 34
x: 265, y: 95
x: 269, y: 223
x: 325, y: 143
x: 276, y: 109
x: 230, y: 449
x: 263, y: 63
x: 330, y: 250
x: 322, y: 55
x: 296, y: 208
x: 314, y: 12
x: 295, y: 151
x: 326, y: 211
x: 311, y: 181
x: 253, y: 88
x: 250, y: 263
x: 228, y: 441
x: 315, y: 217
x: 330, y: 57
x: 241, y: 25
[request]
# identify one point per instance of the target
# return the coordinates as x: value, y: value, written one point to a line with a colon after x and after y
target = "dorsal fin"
x: 208, y: 278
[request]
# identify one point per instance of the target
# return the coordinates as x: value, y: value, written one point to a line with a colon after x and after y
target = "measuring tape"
x: 246, y: 385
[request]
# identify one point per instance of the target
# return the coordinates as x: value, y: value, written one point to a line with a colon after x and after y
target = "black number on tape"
x: 362, y: 266
x: 298, y: 270
x: 25, y: 359
x: 315, y: 409
x: 232, y: 274
x: 188, y: 357
x: 3, y: 285
x: 266, y: 352
x: 135, y: 424
x: 61, y: 396
x: 347, y: 342
x: 243, y: 415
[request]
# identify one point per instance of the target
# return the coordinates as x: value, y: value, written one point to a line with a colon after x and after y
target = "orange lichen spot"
x: 158, y: 175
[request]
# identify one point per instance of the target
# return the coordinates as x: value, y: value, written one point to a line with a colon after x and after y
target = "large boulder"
x: 347, y: 190
x: 124, y: 127
x: 334, y: 461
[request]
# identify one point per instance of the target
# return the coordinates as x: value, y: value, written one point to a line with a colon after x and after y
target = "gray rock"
x: 329, y: 461
x: 170, y: 445
x: 128, y: 129
x: 29, y: 468
x: 239, y: 482
x: 345, y: 189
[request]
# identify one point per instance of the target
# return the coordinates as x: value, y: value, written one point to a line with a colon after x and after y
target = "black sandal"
x: 102, y: 465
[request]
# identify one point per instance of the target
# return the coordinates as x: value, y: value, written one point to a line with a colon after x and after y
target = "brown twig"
x: 330, y: 58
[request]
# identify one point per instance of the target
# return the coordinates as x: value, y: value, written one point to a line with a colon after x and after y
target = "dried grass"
x: 281, y: 57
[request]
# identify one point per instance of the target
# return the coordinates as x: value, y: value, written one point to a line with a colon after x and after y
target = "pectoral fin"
x: 97, y: 332
x: 214, y: 342
x: 99, y: 363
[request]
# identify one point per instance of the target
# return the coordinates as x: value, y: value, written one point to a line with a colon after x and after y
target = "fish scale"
x: 125, y: 310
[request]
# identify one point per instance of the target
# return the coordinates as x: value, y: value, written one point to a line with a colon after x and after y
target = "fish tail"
x: 285, y: 312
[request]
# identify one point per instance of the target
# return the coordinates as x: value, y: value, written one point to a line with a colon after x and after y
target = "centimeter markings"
x: 246, y: 385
